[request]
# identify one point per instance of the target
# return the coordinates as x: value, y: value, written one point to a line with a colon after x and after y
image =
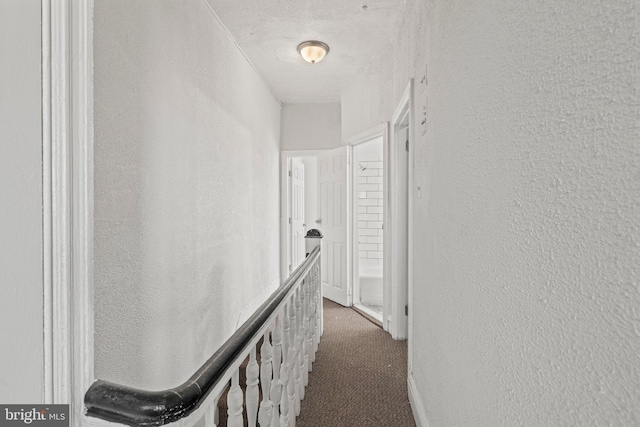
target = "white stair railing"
x: 289, y: 324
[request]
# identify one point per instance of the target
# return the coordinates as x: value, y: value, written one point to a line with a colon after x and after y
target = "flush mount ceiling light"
x: 313, y: 51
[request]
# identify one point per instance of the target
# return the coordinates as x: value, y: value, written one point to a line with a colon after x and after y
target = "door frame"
x: 285, y: 206
x: 290, y: 213
x: 67, y: 158
x: 401, y: 295
x: 382, y: 130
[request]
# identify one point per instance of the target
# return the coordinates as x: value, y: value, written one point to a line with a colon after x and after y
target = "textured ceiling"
x: 269, y: 31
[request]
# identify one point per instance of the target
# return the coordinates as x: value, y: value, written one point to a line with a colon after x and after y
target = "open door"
x: 332, y: 206
x: 296, y: 214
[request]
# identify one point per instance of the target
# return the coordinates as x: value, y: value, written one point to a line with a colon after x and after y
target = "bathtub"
x: 371, y: 285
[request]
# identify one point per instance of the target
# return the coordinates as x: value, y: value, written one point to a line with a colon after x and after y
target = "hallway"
x: 359, y: 377
x: 141, y: 174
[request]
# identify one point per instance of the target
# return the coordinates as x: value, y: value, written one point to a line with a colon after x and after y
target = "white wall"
x: 311, y: 126
x: 21, y: 286
x: 527, y: 236
x: 186, y: 189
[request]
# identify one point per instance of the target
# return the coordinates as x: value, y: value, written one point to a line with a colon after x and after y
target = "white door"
x: 296, y: 215
x: 332, y: 206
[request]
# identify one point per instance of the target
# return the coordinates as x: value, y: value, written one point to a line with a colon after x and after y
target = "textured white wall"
x: 369, y: 100
x: 311, y: 126
x: 186, y: 189
x: 21, y: 333
x: 527, y: 234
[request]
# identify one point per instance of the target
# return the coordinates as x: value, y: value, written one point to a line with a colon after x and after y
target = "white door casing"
x: 400, y: 232
x: 380, y: 131
x: 400, y: 228
x: 296, y: 213
x: 333, y: 207
x: 67, y: 101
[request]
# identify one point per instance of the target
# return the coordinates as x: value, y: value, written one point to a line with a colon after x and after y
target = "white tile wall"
x: 369, y: 219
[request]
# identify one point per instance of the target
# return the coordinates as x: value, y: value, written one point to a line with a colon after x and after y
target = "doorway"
x: 399, y: 250
x: 297, y: 222
x: 368, y: 215
x: 326, y: 198
x: 298, y: 205
x: 368, y: 189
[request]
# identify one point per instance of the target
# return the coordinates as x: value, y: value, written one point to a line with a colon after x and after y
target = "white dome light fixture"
x: 313, y: 51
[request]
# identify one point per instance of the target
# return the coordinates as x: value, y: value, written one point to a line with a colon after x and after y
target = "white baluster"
x: 291, y: 388
x: 292, y: 358
x: 277, y: 350
x: 264, y: 415
x: 276, y: 396
x: 266, y: 407
x: 286, y: 342
x: 304, y: 356
x: 309, y: 329
x: 320, y: 306
x: 253, y: 395
x: 298, y: 303
x: 312, y: 330
x: 304, y: 362
x: 316, y: 315
x: 293, y: 355
x: 292, y: 325
x: 285, y: 375
x: 297, y: 369
x: 266, y: 354
x: 278, y: 362
x: 319, y: 325
x: 234, y: 402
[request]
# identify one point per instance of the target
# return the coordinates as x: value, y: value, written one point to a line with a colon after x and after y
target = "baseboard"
x: 419, y: 413
x: 256, y: 302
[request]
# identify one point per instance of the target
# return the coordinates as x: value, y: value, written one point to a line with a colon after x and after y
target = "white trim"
x: 47, y: 184
x: 401, y: 330
x: 67, y: 99
x: 417, y: 407
x: 82, y: 182
x: 59, y: 213
x: 284, y: 216
x: 366, y: 310
x: 410, y: 219
x: 353, y: 259
x: 288, y: 216
x: 381, y: 130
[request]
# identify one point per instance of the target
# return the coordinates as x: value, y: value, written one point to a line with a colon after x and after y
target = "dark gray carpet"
x: 359, y: 378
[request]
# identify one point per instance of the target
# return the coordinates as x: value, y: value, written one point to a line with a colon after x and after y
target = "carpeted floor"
x: 359, y: 377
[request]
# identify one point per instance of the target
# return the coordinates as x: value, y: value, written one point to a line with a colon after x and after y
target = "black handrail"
x: 126, y: 405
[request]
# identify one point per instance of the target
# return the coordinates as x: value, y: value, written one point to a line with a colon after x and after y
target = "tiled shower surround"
x: 369, y: 168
